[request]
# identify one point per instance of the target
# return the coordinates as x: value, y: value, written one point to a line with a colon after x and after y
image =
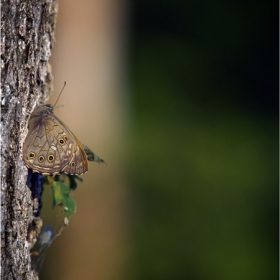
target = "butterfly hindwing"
x: 50, y: 147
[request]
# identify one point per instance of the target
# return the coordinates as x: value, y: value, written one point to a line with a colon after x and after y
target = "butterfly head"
x: 41, y: 110
x: 49, y: 107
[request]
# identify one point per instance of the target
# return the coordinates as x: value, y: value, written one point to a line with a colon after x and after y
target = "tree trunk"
x: 27, y: 36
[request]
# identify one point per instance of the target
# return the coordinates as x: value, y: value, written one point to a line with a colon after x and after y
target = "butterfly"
x: 50, y: 147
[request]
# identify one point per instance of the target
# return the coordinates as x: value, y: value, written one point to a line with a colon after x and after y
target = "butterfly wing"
x: 50, y: 147
x: 69, y: 148
x: 78, y: 164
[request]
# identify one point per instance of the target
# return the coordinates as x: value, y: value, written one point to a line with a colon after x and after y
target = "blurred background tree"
x: 181, y: 100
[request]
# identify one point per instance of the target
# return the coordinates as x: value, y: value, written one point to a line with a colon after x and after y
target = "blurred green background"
x: 204, y: 140
x: 181, y: 100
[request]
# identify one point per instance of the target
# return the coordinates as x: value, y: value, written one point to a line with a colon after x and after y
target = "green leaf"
x: 61, y: 196
x: 72, y: 181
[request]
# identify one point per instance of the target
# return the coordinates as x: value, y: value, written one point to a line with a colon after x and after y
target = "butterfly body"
x: 50, y: 147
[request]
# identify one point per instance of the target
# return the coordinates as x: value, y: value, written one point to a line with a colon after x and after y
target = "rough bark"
x: 27, y: 36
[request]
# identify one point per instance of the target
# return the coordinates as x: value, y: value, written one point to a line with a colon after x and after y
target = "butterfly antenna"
x: 60, y: 94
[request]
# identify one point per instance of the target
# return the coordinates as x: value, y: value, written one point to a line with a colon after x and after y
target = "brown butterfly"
x: 50, y: 147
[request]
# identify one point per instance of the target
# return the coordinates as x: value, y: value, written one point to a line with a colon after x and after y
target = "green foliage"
x: 61, y: 196
x: 61, y: 191
x: 72, y: 181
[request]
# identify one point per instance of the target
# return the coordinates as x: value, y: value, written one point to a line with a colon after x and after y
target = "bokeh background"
x: 181, y: 100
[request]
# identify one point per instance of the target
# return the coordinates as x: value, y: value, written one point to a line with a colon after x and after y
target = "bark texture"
x: 27, y: 36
